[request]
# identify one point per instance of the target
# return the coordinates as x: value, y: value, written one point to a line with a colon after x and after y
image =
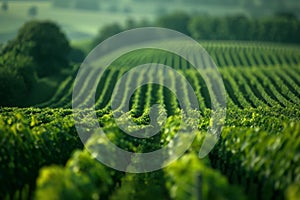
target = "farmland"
x: 84, y: 27
x: 65, y: 123
x: 257, y: 156
x: 90, y: 21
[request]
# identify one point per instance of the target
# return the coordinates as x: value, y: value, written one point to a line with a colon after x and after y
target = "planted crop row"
x: 31, y: 139
x: 83, y: 177
x: 264, y: 163
x: 251, y: 54
x: 265, y: 88
x: 246, y: 87
x: 38, y: 137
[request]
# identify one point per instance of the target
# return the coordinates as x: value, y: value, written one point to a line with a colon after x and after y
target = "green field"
x: 257, y: 156
x: 82, y: 24
x: 89, y: 22
x: 75, y: 27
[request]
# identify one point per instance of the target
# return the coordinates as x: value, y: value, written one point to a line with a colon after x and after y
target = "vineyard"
x: 257, y: 156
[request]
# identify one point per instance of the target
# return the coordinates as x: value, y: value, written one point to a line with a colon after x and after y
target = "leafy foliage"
x: 17, y: 78
x: 31, y: 142
x: 45, y: 43
x: 243, y: 28
x: 258, y: 148
x: 268, y: 162
x: 83, y: 178
x: 176, y: 21
x: 190, y: 178
x: 106, y: 32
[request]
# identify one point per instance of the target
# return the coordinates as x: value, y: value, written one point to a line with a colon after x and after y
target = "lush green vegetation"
x: 258, y: 149
x: 281, y: 27
x: 257, y: 156
x: 30, y: 57
x: 92, y: 17
x: 32, y: 138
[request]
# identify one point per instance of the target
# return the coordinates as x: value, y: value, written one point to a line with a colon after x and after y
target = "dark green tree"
x: 76, y: 55
x: 4, y: 6
x: 33, y: 11
x: 87, y: 4
x: 177, y: 21
x: 45, y: 43
x: 106, y: 32
x: 201, y: 27
x: 17, y: 77
x: 239, y: 27
x: 12, y: 87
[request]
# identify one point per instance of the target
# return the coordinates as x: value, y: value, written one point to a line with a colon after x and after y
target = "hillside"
x: 257, y: 156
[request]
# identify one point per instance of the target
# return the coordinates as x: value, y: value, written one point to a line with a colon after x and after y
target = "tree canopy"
x: 39, y: 50
x: 45, y: 43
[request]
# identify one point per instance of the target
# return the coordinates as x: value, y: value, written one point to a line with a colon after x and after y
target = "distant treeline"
x: 253, y: 7
x: 283, y: 27
x: 78, y: 4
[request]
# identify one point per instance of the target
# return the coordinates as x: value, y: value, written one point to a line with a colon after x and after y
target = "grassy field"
x: 81, y: 24
x: 77, y: 24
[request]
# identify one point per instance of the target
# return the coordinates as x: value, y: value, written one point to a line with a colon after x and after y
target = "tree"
x: 76, y: 55
x: 17, y: 77
x: 200, y: 27
x: 44, y: 42
x: 12, y: 87
x: 106, y: 32
x: 286, y: 15
x: 240, y: 27
x: 4, y: 6
x: 87, y: 4
x: 32, y: 11
x: 177, y: 21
